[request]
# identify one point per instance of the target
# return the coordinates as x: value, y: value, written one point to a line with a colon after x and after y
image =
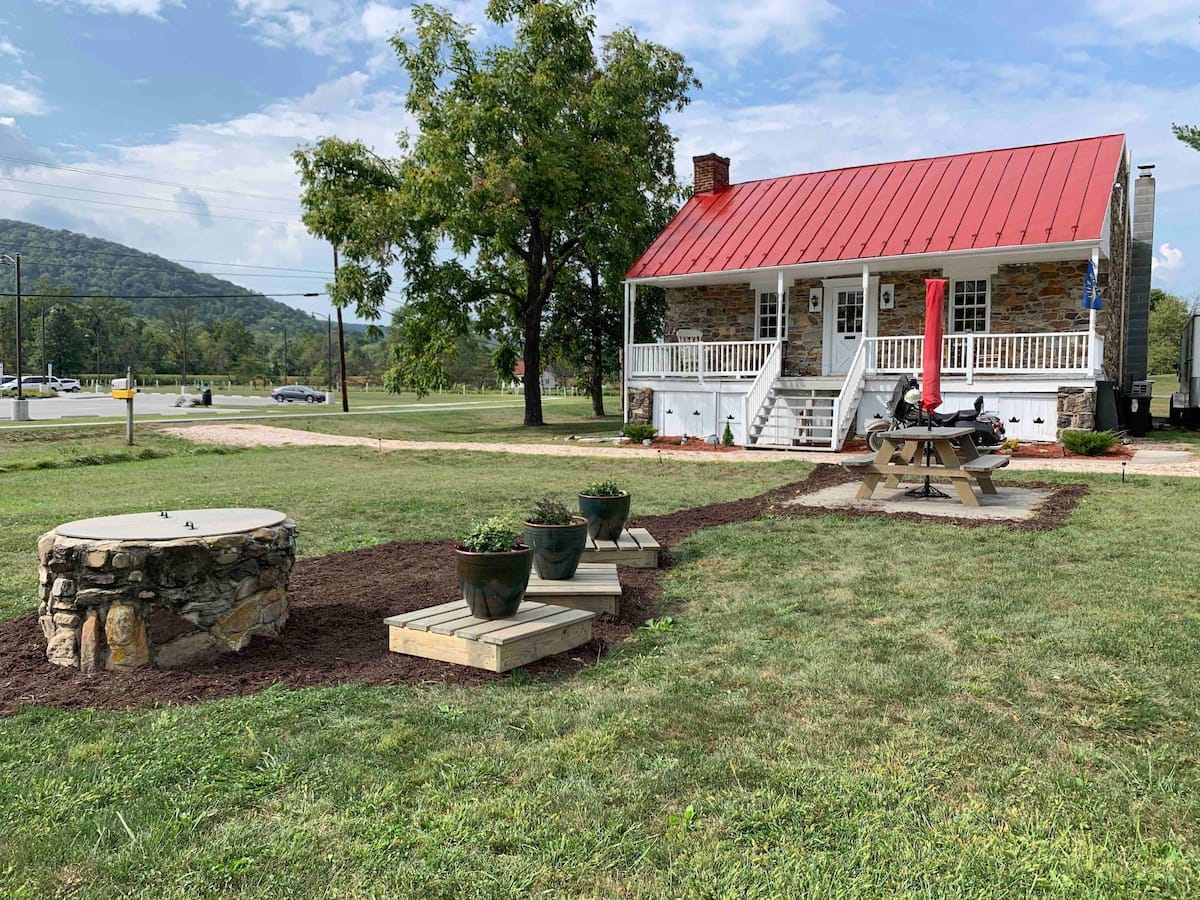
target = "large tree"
x: 1168, y: 316
x: 519, y: 148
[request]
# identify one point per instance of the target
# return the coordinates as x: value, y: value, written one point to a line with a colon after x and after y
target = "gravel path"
x: 1150, y: 459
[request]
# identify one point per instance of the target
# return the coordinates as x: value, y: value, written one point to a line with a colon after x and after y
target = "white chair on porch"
x: 689, y: 358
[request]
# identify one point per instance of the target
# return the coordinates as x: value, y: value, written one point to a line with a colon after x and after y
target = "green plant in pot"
x: 606, y: 507
x: 558, y: 539
x: 493, y: 568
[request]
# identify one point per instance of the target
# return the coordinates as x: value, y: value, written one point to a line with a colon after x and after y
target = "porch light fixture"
x: 887, y: 296
x: 814, y: 300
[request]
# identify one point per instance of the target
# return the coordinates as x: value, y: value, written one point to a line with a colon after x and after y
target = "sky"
x: 168, y: 125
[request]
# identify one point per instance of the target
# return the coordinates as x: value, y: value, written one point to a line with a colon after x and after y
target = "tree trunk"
x: 533, y: 365
x: 596, y: 346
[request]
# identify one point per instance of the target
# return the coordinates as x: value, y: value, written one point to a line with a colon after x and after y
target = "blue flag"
x: 1091, y: 293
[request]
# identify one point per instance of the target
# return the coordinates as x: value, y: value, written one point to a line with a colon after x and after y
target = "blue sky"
x: 214, y: 94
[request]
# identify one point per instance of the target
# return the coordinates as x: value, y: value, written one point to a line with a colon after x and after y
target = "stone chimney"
x: 1137, y: 327
x: 710, y: 173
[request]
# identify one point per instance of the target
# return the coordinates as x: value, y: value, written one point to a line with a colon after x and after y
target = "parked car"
x: 293, y: 392
x: 61, y: 385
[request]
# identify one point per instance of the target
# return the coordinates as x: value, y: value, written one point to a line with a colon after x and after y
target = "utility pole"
x: 45, y: 371
x: 341, y: 342
x: 20, y: 408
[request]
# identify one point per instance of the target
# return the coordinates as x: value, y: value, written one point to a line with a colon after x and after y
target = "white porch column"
x: 1093, y: 367
x: 627, y: 353
x: 779, y: 335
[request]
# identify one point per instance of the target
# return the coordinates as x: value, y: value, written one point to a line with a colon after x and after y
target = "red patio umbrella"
x: 931, y: 359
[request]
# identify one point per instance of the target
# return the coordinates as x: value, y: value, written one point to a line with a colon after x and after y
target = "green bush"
x: 550, y: 512
x: 1088, y: 443
x: 639, y: 433
x: 727, y: 437
x: 495, y: 535
x: 602, y: 489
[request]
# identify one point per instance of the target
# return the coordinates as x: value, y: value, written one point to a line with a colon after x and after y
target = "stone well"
x: 163, y: 588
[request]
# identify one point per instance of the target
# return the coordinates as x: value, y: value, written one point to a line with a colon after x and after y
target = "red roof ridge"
x: 917, y: 159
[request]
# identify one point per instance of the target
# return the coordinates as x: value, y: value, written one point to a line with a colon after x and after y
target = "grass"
x: 72, y: 448
x: 488, y: 422
x: 829, y: 706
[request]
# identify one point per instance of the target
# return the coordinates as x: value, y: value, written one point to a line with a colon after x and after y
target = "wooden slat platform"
x: 595, y: 587
x: 450, y: 633
x: 635, y: 548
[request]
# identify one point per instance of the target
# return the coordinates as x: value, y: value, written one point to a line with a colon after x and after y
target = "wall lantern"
x: 814, y: 300
x: 887, y: 296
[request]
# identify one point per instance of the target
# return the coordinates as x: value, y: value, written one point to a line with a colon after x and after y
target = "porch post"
x: 779, y: 335
x: 627, y: 354
x: 1092, y: 367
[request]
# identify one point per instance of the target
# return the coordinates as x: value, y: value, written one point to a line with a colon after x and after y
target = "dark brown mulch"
x: 336, y: 634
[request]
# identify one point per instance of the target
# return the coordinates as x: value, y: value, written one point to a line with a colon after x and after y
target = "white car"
x: 60, y: 385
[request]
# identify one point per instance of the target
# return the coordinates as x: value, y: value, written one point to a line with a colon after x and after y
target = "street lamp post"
x: 20, y: 408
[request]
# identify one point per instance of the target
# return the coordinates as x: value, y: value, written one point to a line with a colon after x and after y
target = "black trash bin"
x: 1136, y: 408
x: 206, y: 397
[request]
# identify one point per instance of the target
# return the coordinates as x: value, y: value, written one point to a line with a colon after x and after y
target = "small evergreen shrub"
x: 727, y: 436
x: 639, y: 433
x: 550, y: 512
x: 498, y: 534
x: 1088, y: 443
x: 603, y: 489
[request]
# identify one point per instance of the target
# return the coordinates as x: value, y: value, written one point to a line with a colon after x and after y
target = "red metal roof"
x: 1024, y: 196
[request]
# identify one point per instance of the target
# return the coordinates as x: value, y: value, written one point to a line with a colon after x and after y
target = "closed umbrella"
x: 931, y: 360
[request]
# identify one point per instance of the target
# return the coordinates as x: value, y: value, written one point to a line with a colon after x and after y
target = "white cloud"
x: 20, y: 101
x: 8, y: 48
x: 1167, y: 259
x: 1146, y: 22
x: 150, y: 8
x: 380, y: 21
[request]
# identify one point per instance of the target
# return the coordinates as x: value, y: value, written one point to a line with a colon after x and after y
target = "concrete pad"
x: 1008, y: 503
x: 1145, y: 457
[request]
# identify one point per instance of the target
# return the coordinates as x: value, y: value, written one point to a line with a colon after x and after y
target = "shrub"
x: 639, y: 433
x: 727, y: 436
x: 550, y: 512
x: 1088, y: 443
x: 495, y: 535
x: 603, y: 489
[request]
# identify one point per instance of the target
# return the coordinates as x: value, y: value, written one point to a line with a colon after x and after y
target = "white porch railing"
x: 760, y: 388
x: 1050, y: 353
x: 845, y: 404
x: 700, y: 359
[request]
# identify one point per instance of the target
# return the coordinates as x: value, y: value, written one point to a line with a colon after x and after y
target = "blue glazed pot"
x: 605, y: 515
x: 493, y: 584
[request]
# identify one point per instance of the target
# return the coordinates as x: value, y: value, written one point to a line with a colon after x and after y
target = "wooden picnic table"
x: 902, y: 453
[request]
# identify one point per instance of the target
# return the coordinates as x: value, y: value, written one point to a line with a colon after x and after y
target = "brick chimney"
x: 710, y: 173
x: 1137, y: 328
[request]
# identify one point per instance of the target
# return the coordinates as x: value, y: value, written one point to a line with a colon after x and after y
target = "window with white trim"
x: 766, y: 315
x: 968, y: 305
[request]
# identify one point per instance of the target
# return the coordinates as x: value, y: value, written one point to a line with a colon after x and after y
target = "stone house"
x: 793, y: 304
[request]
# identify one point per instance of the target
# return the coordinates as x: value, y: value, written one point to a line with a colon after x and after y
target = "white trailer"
x: 1185, y: 403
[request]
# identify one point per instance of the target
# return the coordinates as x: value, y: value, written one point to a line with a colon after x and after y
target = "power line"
x: 69, y: 187
x: 34, y: 264
x: 143, y: 255
x: 173, y: 212
x: 103, y: 174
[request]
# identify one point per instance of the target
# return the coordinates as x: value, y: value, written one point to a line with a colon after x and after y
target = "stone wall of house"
x: 1043, y: 296
x: 1076, y: 408
x: 1114, y: 277
x: 641, y: 406
x: 722, y: 312
x: 127, y: 604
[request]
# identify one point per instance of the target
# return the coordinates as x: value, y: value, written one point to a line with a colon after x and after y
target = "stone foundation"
x: 641, y: 406
x: 109, y: 604
x: 1076, y: 409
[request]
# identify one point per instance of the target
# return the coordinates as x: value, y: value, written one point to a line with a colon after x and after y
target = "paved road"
x: 147, y: 405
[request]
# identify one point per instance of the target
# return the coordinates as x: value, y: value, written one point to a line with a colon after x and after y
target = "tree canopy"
x: 1168, y: 315
x: 529, y: 156
x: 1189, y: 134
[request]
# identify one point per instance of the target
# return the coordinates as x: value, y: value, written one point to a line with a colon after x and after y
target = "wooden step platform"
x: 595, y: 587
x: 450, y: 633
x: 635, y: 548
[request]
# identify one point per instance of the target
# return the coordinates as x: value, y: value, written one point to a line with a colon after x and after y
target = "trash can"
x: 1107, y: 403
x: 206, y: 397
x: 1136, y: 407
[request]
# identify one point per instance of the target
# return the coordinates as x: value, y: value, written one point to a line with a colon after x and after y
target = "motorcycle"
x: 988, y: 429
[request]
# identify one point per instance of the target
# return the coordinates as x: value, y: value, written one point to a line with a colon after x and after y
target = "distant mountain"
x: 90, y: 266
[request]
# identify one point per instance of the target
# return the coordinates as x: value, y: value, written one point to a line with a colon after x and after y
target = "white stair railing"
x: 760, y: 388
x: 845, y: 405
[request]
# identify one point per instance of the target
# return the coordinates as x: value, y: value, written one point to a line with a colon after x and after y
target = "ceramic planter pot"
x: 493, y: 584
x: 605, y: 515
x: 557, y: 548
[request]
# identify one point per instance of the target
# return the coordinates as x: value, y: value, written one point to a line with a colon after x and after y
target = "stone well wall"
x: 1076, y: 409
x: 124, y: 604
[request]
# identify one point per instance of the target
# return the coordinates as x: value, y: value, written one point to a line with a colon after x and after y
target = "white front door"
x: 845, y: 325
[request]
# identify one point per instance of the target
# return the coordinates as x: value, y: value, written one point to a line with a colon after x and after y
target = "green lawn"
x: 499, y: 419
x: 849, y: 707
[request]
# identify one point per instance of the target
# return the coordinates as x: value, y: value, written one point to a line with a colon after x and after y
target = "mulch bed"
x: 666, y: 442
x: 336, y: 634
x: 1058, y: 451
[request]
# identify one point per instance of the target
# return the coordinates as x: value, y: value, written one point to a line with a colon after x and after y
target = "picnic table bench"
x: 899, y: 456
